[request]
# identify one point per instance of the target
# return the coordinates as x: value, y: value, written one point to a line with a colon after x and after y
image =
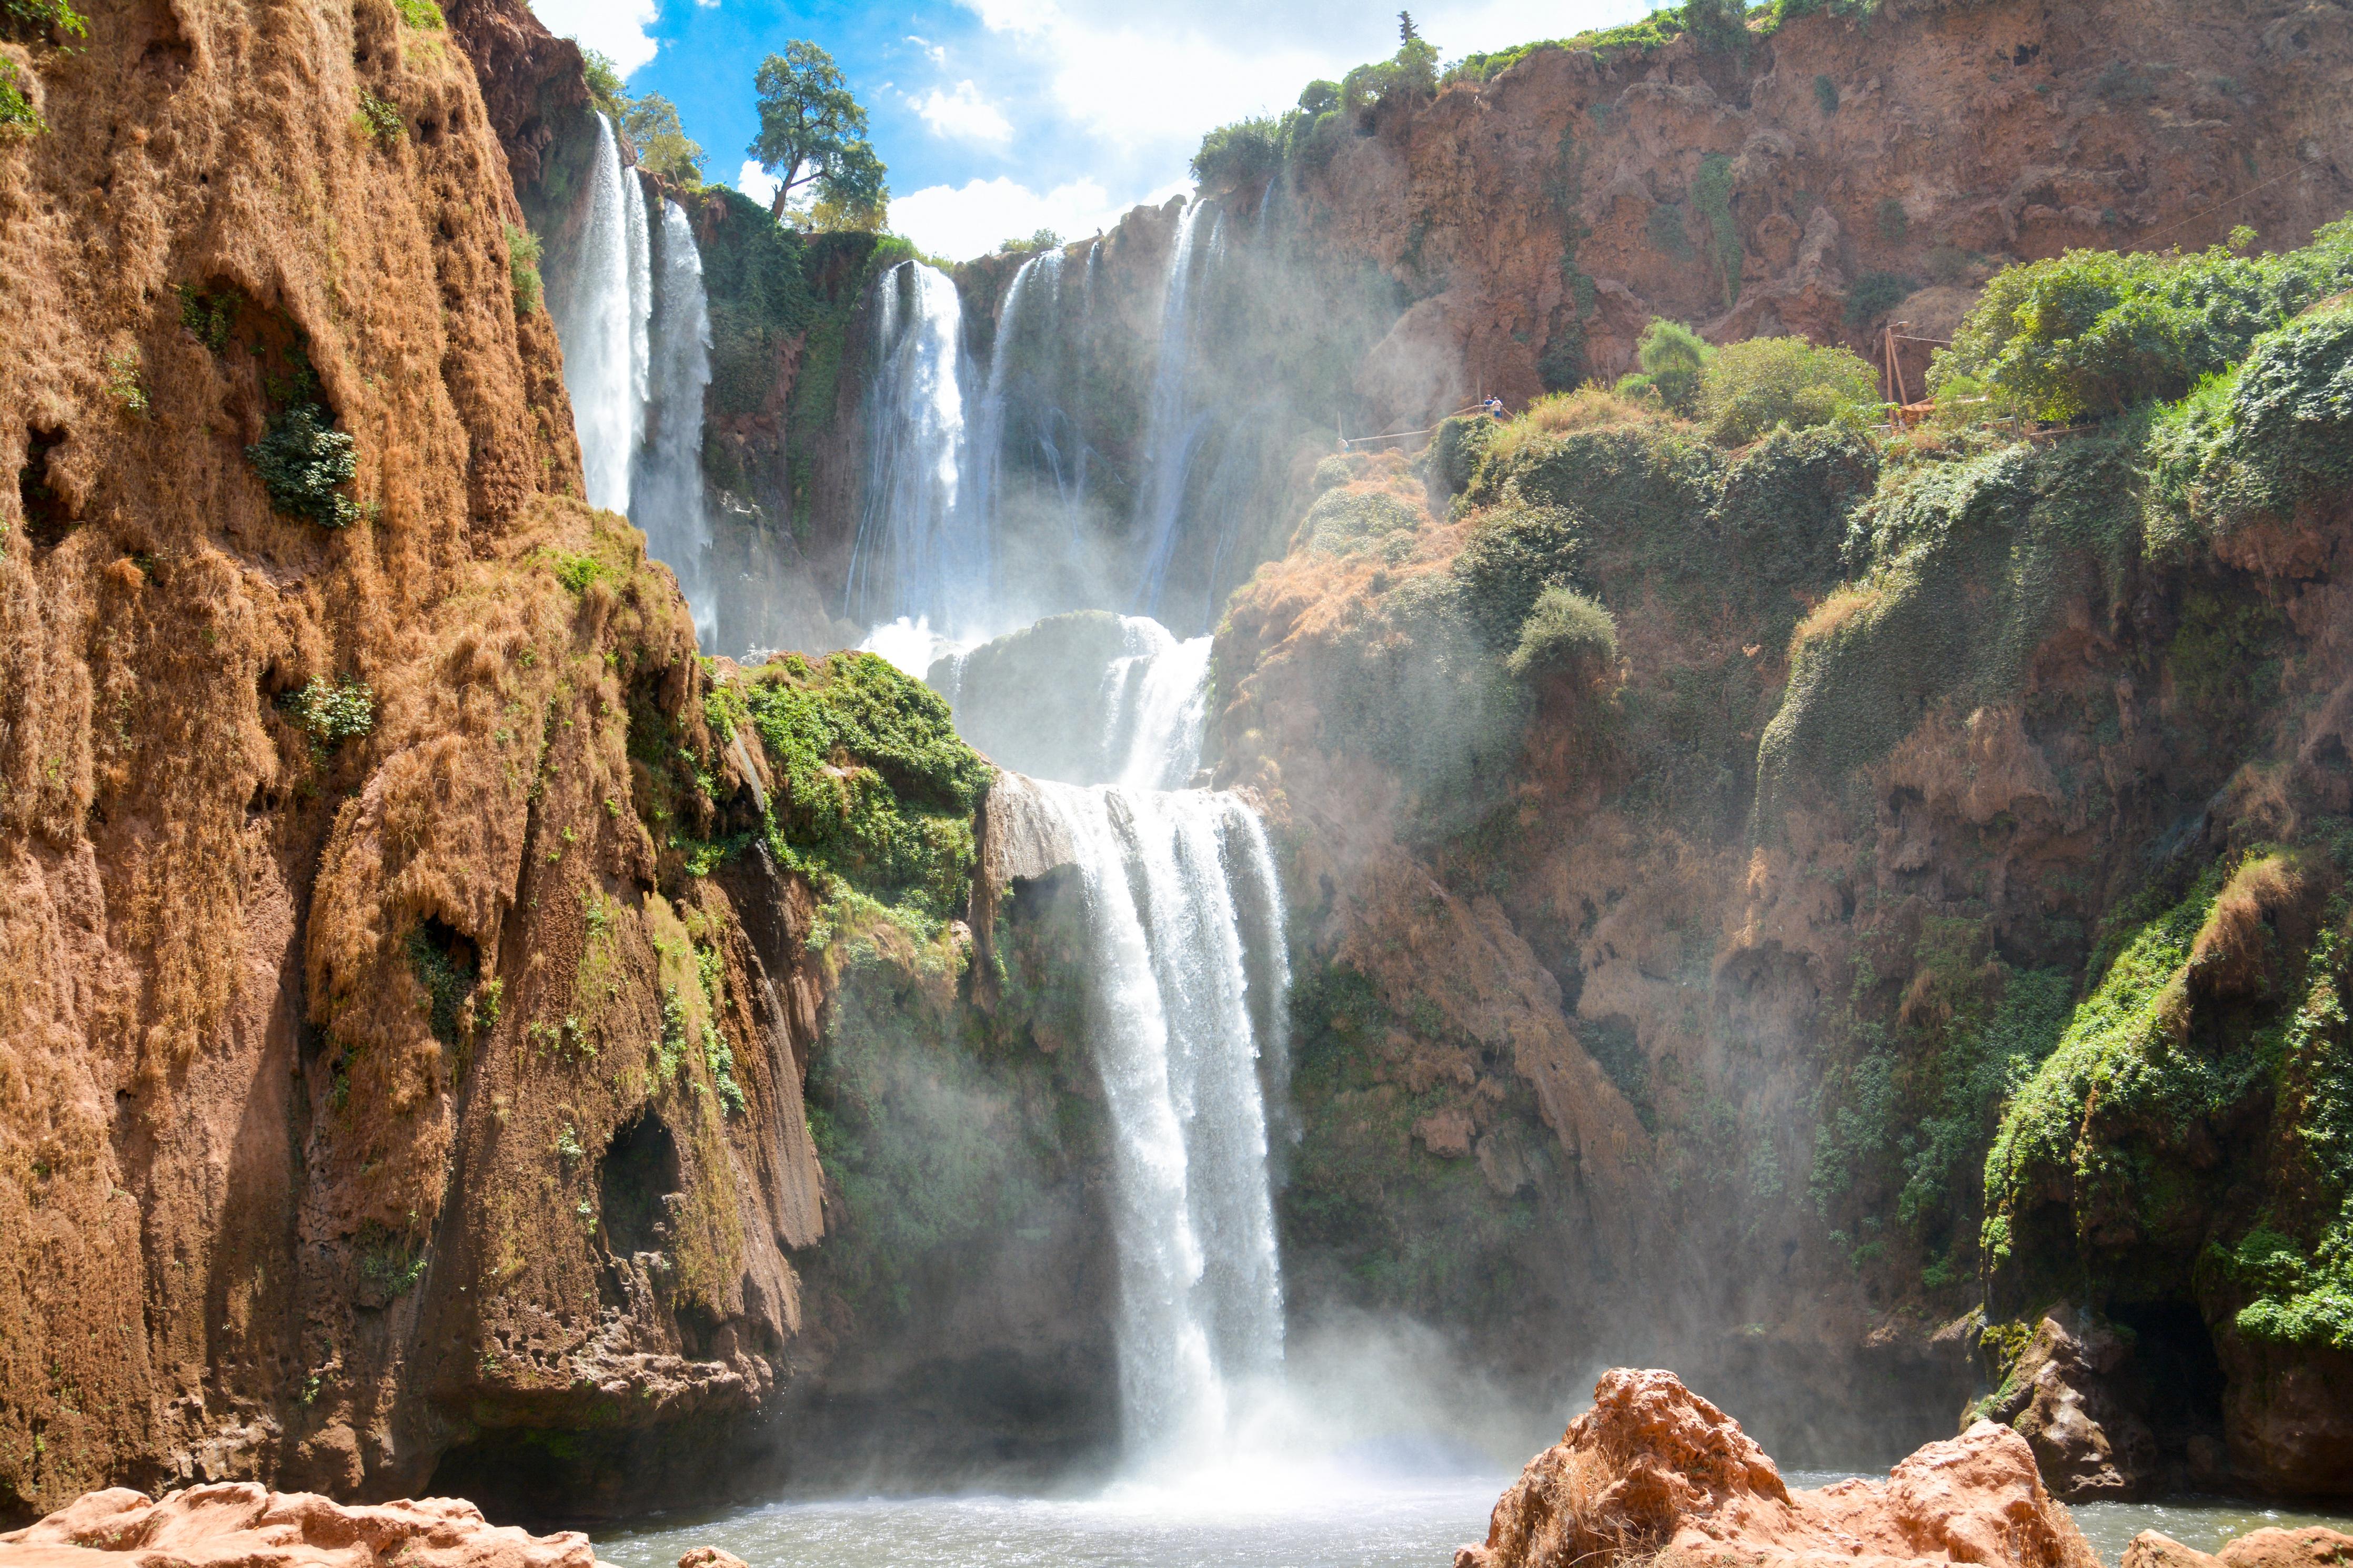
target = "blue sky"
x: 999, y: 117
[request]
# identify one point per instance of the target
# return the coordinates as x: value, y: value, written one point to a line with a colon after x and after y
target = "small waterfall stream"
x: 1173, y: 425
x: 918, y: 555
x: 666, y: 496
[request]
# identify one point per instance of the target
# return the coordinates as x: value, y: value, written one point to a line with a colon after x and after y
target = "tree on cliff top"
x: 813, y: 133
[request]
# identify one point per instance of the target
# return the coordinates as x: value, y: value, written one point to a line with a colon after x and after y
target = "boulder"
x: 2063, y: 1396
x: 710, y: 1557
x: 2308, y: 1547
x: 239, y: 1524
x: 1653, y: 1467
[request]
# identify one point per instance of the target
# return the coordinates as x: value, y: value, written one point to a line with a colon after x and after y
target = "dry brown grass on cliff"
x: 2233, y: 952
x: 1589, y: 407
x: 1839, y: 607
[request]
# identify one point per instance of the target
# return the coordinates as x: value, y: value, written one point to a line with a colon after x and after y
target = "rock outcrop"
x: 1653, y: 1471
x: 2309, y: 1546
x: 2063, y: 1395
x: 238, y: 1524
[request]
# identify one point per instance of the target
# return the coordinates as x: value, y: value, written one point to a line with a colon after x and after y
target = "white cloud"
x: 962, y: 115
x: 968, y: 221
x: 939, y: 56
x: 756, y: 183
x: 614, y: 28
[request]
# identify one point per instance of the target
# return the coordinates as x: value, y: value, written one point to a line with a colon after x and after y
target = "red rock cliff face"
x: 337, y: 1129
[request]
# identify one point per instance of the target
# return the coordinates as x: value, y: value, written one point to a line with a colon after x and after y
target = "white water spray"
x: 666, y: 496
x: 1173, y: 426
x: 602, y: 325
x: 1155, y: 699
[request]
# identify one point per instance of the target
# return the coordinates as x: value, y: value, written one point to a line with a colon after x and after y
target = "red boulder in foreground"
x: 1654, y: 1469
x: 238, y: 1524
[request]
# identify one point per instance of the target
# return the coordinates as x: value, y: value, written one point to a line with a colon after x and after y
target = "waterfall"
x: 602, y: 324
x: 987, y: 447
x: 1182, y: 911
x: 917, y: 554
x: 1156, y: 697
x: 666, y: 498
x: 1173, y: 427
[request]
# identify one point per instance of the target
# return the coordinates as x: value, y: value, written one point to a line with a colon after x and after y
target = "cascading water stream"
x: 602, y: 324
x: 1173, y: 426
x: 666, y: 496
x: 919, y: 555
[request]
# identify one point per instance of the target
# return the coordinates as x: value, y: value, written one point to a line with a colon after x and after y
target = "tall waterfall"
x: 916, y: 555
x: 666, y: 498
x: 1187, y: 995
x: 1173, y: 425
x: 602, y: 321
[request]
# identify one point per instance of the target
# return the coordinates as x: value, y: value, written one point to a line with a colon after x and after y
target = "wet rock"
x: 2310, y: 1547
x: 238, y: 1524
x: 1654, y: 1468
x: 710, y: 1557
x: 2063, y: 1397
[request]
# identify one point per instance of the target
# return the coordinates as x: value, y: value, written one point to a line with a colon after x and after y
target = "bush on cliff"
x: 1518, y: 552
x: 1764, y: 383
x: 2093, y: 333
x: 1564, y: 631
x: 1673, y: 358
x: 303, y: 461
x: 876, y: 793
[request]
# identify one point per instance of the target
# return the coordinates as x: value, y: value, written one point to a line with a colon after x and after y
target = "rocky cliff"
x: 374, y: 1081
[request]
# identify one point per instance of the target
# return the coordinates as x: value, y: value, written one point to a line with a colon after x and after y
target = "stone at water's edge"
x: 1653, y: 1467
x: 710, y: 1557
x: 2310, y: 1547
x: 239, y: 1524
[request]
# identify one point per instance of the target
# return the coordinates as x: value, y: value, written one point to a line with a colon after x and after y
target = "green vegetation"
x: 38, y: 21
x: 1564, y: 631
x: 812, y: 134
x: 2094, y: 333
x: 1673, y: 357
x: 381, y: 118
x: 1041, y: 240
x: 1873, y: 294
x: 1518, y: 552
x: 209, y: 318
x: 1712, y: 197
x: 876, y: 793
x: 606, y: 92
x: 331, y: 711
x: 1253, y: 150
x: 422, y: 15
x: 17, y: 115
x: 1764, y: 383
x: 122, y: 381
x: 523, y: 267
x: 446, y: 974
x: 1892, y: 221
x: 1826, y: 94
x: 303, y: 461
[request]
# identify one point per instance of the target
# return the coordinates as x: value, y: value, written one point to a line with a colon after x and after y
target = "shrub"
x: 122, y: 381
x: 1454, y: 450
x: 1673, y: 357
x: 606, y: 90
x: 209, y: 318
x: 523, y: 267
x: 2092, y: 333
x: 33, y: 21
x: 1826, y: 94
x: 17, y: 115
x: 422, y: 15
x: 1874, y: 294
x: 380, y: 118
x: 1518, y: 552
x: 1751, y: 387
x: 301, y: 460
x: 331, y: 711
x: 1564, y: 631
x: 1893, y: 221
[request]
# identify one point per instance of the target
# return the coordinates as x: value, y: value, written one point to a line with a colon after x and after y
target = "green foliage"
x: 331, y: 711
x: 877, y: 792
x: 1712, y: 197
x: 17, y: 115
x: 1564, y: 631
x: 209, y: 318
x: 711, y: 972
x: 1242, y: 153
x: 663, y: 144
x: 1517, y: 554
x: 1892, y: 221
x: 37, y: 21
x: 381, y: 118
x: 1826, y: 94
x: 812, y: 132
x: 1673, y: 358
x: 577, y: 572
x: 303, y: 460
x: 523, y: 267
x: 2257, y: 439
x: 422, y: 15
x: 2093, y: 333
x: 606, y: 92
x: 1720, y: 27
x: 1350, y: 522
x: 1764, y: 383
x: 1043, y: 239
x: 1456, y: 448
x: 447, y: 978
x: 122, y: 382
x: 1873, y: 294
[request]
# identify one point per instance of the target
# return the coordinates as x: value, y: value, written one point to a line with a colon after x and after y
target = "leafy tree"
x: 661, y: 140
x: 1673, y: 358
x: 1415, y: 65
x: 1236, y: 154
x: 813, y: 133
x: 1749, y: 388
